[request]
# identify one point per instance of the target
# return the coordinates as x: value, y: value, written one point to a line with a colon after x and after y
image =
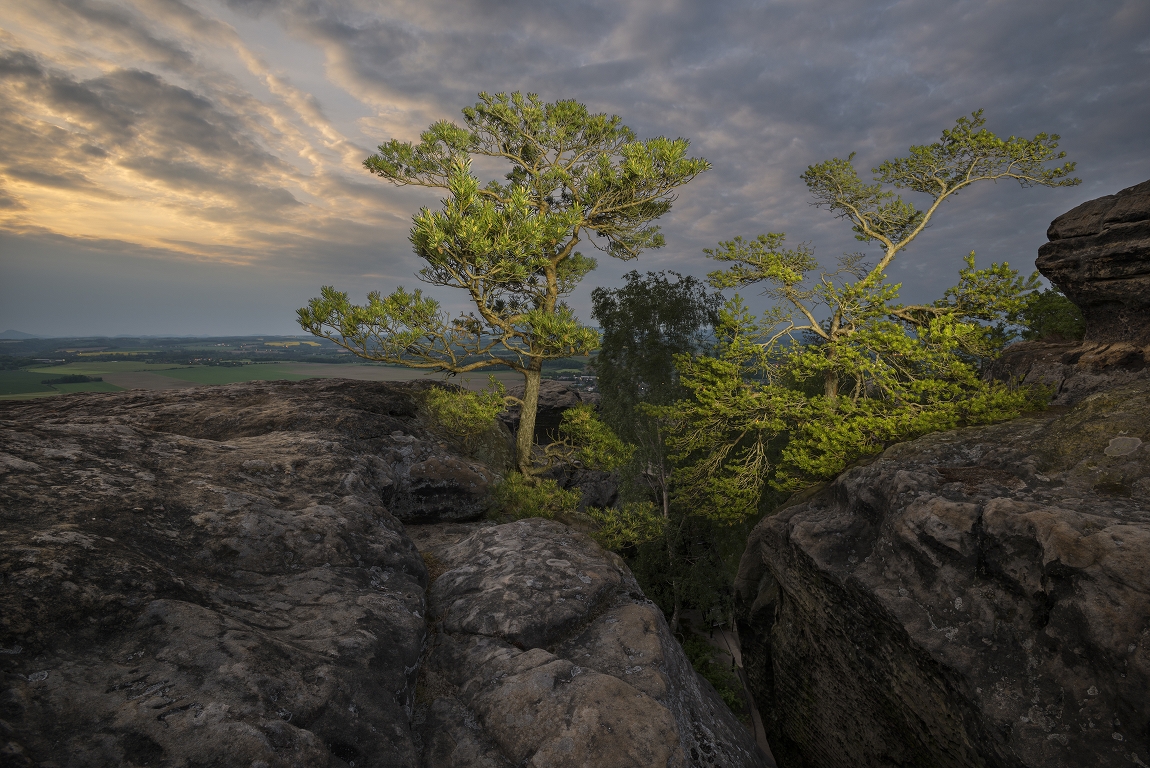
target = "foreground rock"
x: 215, y: 577
x: 1099, y: 256
x: 973, y: 598
x: 208, y: 577
x: 545, y: 653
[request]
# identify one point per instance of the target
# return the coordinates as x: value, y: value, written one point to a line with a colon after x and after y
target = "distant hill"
x: 10, y: 334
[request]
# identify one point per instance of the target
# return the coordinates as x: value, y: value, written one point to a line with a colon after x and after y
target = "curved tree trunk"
x: 525, y: 435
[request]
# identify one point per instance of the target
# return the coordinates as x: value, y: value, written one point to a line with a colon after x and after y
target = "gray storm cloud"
x: 225, y: 137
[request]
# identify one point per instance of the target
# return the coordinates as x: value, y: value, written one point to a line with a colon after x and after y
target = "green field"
x: 102, y: 367
x: 210, y: 374
x: 22, y: 382
x: 88, y: 386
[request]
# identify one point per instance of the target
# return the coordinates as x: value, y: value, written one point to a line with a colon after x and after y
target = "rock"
x: 547, y: 653
x: 1099, y: 256
x: 213, y: 576
x: 208, y: 577
x: 1071, y: 370
x: 976, y: 597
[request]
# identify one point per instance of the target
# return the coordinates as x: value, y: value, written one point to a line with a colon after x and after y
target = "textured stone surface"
x: 208, y: 577
x: 1099, y: 256
x: 972, y: 598
x: 211, y: 577
x: 1072, y: 370
x: 545, y: 644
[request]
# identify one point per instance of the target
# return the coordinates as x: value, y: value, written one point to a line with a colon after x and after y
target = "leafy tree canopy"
x: 510, y: 243
x: 838, y: 367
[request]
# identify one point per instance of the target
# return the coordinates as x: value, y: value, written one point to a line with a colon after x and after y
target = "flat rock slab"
x: 546, y: 653
x: 211, y: 576
x: 972, y: 598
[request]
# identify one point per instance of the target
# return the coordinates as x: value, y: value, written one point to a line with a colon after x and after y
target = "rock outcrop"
x: 1072, y: 370
x: 1099, y: 256
x: 980, y: 597
x: 222, y: 576
x: 209, y: 577
x: 546, y: 653
x: 972, y: 598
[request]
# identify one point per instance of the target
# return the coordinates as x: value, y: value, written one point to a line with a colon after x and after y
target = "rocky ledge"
x: 972, y: 598
x: 1099, y: 255
x: 546, y: 653
x: 222, y: 576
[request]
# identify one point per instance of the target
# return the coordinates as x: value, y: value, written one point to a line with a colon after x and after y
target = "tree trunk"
x: 831, y: 385
x: 525, y: 435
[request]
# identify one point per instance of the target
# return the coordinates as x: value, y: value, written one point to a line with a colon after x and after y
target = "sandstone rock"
x: 211, y: 577
x: 971, y: 598
x: 547, y: 652
x: 1099, y: 256
x: 208, y: 577
x: 1072, y: 370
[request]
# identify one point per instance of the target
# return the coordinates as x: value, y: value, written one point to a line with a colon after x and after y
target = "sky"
x: 193, y: 167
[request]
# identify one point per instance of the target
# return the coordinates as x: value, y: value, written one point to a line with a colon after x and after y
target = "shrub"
x: 1050, y: 315
x: 466, y: 414
x: 518, y: 497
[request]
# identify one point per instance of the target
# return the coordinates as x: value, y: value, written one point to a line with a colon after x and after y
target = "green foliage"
x: 966, y: 154
x: 463, y: 413
x: 628, y: 525
x: 590, y: 441
x: 726, y: 683
x: 519, y: 496
x: 1050, y: 315
x: 510, y: 244
x: 838, y: 368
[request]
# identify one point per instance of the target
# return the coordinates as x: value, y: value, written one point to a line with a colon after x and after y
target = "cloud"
x: 234, y: 130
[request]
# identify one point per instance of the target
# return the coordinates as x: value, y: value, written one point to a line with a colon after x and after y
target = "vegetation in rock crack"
x: 1051, y: 316
x: 839, y: 368
x: 510, y: 244
x: 681, y: 559
x: 726, y: 683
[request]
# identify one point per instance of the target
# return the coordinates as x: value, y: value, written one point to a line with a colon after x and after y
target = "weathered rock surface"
x: 1072, y: 370
x: 209, y: 577
x: 212, y: 577
x: 1099, y: 256
x: 545, y: 653
x: 972, y: 598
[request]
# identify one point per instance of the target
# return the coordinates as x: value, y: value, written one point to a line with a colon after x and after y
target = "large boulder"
x: 217, y: 576
x: 1099, y: 256
x: 546, y: 653
x: 971, y: 598
x: 209, y: 577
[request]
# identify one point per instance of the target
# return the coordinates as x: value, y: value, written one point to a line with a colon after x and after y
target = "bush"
x: 518, y: 497
x: 628, y: 525
x: 1050, y: 315
x: 726, y: 683
x: 466, y: 414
